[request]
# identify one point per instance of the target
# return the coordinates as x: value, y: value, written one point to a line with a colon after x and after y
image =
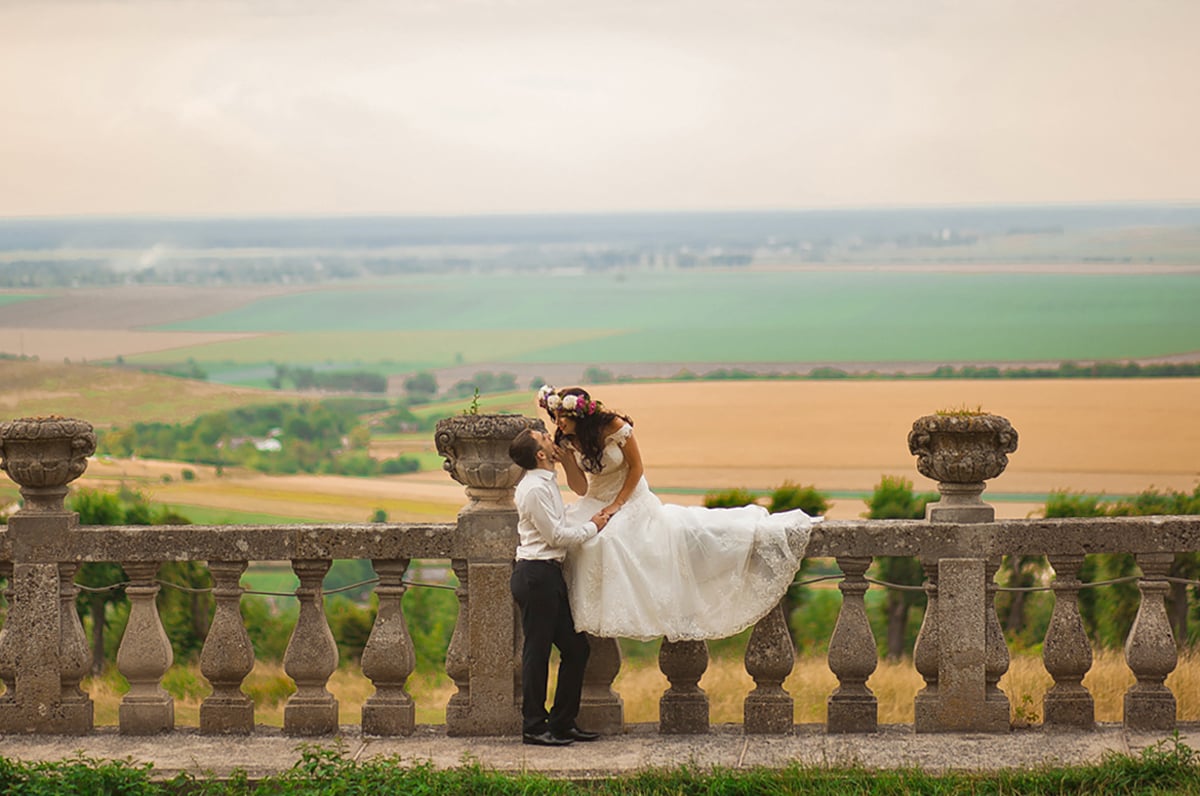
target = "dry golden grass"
x: 640, y: 685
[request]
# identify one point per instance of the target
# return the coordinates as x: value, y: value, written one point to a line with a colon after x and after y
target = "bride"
x: 680, y: 572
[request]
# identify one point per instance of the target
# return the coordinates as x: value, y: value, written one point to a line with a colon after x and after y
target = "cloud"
x: 513, y: 105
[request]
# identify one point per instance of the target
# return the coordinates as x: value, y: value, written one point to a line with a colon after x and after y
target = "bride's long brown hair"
x: 588, y: 438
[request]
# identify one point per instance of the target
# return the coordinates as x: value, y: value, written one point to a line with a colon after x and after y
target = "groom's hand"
x: 601, y: 519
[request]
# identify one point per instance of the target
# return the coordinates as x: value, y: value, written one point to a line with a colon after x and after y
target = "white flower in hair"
x: 570, y: 402
x: 553, y: 402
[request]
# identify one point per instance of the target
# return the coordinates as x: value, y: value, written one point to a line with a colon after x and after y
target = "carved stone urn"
x: 43, y: 455
x: 961, y: 450
x: 475, y: 448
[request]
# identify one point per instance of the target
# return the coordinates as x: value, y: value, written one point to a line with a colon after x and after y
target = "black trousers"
x: 541, y: 594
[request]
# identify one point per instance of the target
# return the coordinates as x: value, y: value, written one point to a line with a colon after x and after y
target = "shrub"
x: 729, y: 498
x: 793, y: 496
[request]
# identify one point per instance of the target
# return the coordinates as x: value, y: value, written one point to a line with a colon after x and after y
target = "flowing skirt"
x: 681, y: 572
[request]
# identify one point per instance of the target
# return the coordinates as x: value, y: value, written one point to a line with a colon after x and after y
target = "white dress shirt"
x: 542, y: 523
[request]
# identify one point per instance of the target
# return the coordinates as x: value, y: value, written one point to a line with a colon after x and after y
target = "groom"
x: 537, y: 585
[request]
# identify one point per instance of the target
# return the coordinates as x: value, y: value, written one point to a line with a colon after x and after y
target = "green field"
x: 716, y: 316
x: 11, y: 298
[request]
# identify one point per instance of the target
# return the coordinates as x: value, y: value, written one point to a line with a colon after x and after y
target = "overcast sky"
x: 236, y: 107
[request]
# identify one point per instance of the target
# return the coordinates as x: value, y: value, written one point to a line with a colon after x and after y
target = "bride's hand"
x: 610, y: 509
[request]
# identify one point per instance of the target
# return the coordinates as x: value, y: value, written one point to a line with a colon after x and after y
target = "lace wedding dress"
x: 679, y: 572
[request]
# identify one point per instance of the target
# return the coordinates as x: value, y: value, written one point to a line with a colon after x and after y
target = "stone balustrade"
x: 960, y: 651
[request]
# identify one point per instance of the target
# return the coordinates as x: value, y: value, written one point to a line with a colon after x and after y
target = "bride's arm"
x: 576, y: 479
x: 633, y: 457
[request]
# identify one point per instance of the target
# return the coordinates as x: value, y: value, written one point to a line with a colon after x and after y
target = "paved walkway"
x: 894, y: 746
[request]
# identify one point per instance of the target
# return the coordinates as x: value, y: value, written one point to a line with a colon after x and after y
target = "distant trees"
x: 328, y: 437
x: 894, y: 499
x: 485, y: 381
x: 421, y: 387
x: 301, y: 378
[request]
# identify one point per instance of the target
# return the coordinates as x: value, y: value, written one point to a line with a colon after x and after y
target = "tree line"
x: 331, y: 436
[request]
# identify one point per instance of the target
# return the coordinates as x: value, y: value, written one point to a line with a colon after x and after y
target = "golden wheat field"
x: 894, y: 683
x: 1115, y: 436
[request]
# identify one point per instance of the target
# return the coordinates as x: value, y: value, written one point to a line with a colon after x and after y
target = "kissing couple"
x: 618, y: 562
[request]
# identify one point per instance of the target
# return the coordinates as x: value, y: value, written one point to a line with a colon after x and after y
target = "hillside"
x: 112, y: 396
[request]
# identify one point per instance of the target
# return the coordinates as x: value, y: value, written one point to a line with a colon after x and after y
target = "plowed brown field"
x: 1116, y: 436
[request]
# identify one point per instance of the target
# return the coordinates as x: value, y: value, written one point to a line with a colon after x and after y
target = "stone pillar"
x: 144, y: 656
x: 683, y: 708
x: 227, y: 657
x: 852, y: 655
x: 1067, y: 653
x: 600, y: 708
x: 925, y: 654
x: 311, y: 657
x: 44, y: 649
x: 388, y: 658
x: 965, y: 658
x: 1150, y: 650
x: 475, y: 448
x: 770, y: 656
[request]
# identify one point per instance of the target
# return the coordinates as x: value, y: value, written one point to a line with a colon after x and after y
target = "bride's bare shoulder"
x: 614, y: 425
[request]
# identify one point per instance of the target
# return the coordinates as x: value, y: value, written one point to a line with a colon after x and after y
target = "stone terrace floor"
x: 893, y: 746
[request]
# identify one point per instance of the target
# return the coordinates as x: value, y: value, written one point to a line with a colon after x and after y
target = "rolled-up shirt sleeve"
x: 546, y: 516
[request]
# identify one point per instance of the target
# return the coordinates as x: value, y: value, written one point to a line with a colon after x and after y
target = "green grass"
x: 839, y: 316
x: 1166, y: 768
x: 203, y: 515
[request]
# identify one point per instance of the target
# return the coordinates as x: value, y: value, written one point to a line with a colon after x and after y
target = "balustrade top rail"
x: 830, y: 539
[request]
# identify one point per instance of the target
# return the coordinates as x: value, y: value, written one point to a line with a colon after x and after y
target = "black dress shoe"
x: 545, y: 738
x: 576, y: 734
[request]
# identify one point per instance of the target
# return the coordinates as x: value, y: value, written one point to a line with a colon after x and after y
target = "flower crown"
x: 569, y: 405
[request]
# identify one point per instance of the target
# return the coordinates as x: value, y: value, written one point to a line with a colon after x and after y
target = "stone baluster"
x: 683, y: 708
x: 1067, y: 653
x: 852, y: 655
x: 311, y: 657
x: 9, y: 644
x: 457, y: 668
x: 388, y: 658
x: 144, y: 656
x: 74, y: 653
x: 925, y: 654
x: 227, y: 657
x: 770, y: 656
x: 600, y: 708
x: 43, y: 455
x: 1150, y: 650
x: 997, y: 652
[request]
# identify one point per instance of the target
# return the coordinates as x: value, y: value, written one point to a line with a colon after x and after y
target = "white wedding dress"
x: 679, y: 572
